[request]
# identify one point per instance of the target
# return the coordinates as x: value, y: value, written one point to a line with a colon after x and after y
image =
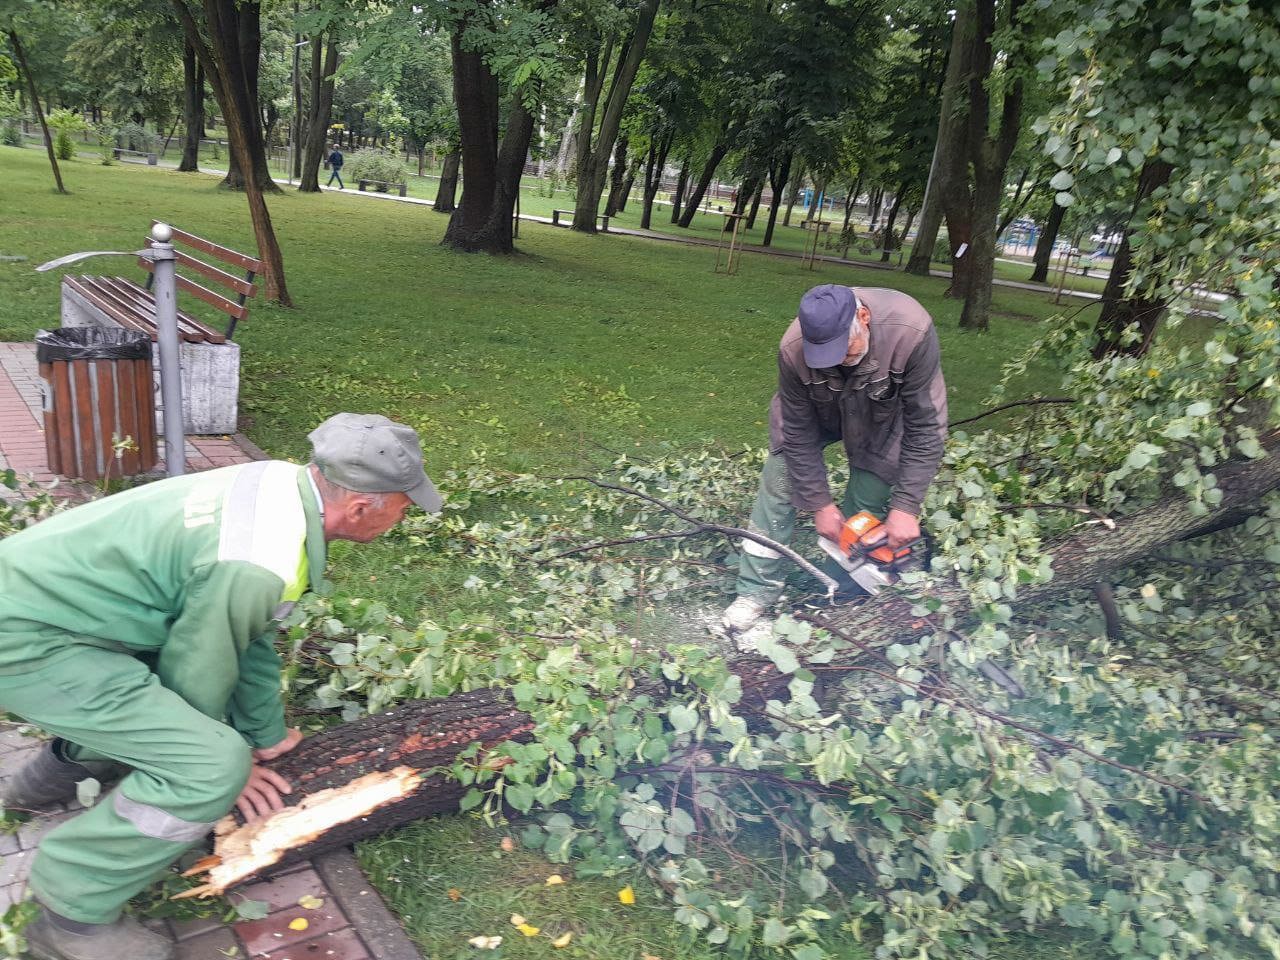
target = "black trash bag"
x: 91, y: 343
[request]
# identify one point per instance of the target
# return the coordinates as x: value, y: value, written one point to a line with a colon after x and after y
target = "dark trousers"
x: 337, y: 172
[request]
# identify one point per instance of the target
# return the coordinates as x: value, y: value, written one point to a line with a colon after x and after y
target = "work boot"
x: 49, y: 778
x: 741, y: 615
x: 51, y: 937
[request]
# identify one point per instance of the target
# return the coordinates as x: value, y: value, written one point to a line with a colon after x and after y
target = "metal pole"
x: 175, y: 460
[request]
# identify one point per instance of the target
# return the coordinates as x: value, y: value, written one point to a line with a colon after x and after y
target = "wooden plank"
x: 65, y: 418
x: 121, y: 379
x: 225, y: 254
x: 229, y: 307
x: 104, y: 371
x: 135, y: 308
x: 87, y: 288
x: 189, y: 328
x: 238, y: 284
x: 88, y: 440
x: 50, y: 423
x: 145, y: 405
x: 142, y: 307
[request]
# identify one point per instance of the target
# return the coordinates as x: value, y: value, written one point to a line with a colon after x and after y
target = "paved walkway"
x: 352, y: 923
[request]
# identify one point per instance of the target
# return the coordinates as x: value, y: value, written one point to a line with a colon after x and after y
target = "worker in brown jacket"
x: 860, y: 366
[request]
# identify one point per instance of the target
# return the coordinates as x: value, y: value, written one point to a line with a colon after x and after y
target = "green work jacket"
x: 189, y: 574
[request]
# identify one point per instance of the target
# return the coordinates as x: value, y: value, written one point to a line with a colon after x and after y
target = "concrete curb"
x: 365, y: 909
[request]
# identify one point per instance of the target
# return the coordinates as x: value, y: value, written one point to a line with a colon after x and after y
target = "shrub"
x: 10, y: 119
x: 106, y: 137
x: 65, y: 124
x: 134, y: 136
x: 376, y: 165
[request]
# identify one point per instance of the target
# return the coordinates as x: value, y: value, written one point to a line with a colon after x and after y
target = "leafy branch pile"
x: 1119, y: 780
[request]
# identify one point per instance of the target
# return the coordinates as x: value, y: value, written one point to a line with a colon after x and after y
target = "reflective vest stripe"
x: 263, y: 523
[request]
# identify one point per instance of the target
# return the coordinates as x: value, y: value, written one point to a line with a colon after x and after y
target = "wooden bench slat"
x: 216, y: 300
x: 134, y: 307
x: 225, y: 254
x: 189, y: 328
x: 140, y: 306
x: 238, y: 284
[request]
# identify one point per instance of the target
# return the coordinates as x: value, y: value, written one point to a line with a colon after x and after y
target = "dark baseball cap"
x: 368, y: 453
x: 826, y: 317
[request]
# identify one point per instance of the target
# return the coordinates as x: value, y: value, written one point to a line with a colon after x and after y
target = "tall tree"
x: 315, y: 129
x: 192, y: 108
x: 594, y: 147
x: 9, y: 20
x: 225, y: 35
x: 1181, y: 101
x: 989, y: 149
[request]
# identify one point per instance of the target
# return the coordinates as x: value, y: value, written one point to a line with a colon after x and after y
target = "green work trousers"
x: 187, y: 771
x: 761, y: 570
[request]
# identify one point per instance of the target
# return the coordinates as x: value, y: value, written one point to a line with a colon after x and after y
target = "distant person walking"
x: 334, y: 163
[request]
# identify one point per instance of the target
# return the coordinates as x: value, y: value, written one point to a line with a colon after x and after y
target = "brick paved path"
x: 352, y: 923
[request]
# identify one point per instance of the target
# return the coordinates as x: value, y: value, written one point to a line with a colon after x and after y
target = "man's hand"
x: 901, y: 528
x: 828, y: 522
x: 292, y: 737
x: 262, y: 793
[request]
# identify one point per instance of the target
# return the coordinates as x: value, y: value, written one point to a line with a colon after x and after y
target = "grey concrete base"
x: 210, y: 371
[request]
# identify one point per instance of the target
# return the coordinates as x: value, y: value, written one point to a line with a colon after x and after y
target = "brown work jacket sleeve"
x: 924, y: 424
x: 802, y: 442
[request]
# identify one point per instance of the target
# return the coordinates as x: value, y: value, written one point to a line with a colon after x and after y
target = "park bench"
x: 555, y: 219
x: 134, y: 156
x: 384, y: 186
x: 210, y: 358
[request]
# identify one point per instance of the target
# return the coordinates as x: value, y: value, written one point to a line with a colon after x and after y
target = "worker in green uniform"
x: 138, y: 630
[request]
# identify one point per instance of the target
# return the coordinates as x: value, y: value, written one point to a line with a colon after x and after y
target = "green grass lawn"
x: 549, y: 361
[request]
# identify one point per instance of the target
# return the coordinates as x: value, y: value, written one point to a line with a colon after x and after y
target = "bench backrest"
x: 242, y: 288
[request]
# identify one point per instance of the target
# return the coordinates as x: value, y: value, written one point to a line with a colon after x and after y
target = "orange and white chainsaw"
x: 865, y: 554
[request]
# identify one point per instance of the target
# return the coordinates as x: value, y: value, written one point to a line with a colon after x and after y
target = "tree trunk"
x: 990, y: 158
x: 192, y: 109
x: 236, y: 81
x: 704, y: 180
x: 795, y: 195
x: 617, y: 179
x: 475, y: 91
x: 778, y: 176
x: 317, y: 124
x: 655, y: 162
x: 382, y: 767
x: 677, y: 196
x: 596, y: 158
x: 819, y: 198
x: 244, y: 22
x: 1137, y: 312
x: 1044, y: 245
x: 35, y: 106
x: 496, y: 236
x: 755, y: 204
x: 889, y: 244
x: 951, y: 169
x: 448, y: 184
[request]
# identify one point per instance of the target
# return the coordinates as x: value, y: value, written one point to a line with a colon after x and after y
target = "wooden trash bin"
x: 97, y: 392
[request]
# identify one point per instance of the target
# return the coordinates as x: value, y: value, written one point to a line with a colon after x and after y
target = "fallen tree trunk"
x: 360, y: 779
x: 379, y: 772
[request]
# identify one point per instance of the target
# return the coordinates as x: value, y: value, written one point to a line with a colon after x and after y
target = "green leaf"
x: 813, y: 883
x: 1198, y: 882
x: 683, y: 718
x: 87, y: 791
x: 776, y: 933
x: 471, y: 799
x: 252, y: 909
x: 520, y: 796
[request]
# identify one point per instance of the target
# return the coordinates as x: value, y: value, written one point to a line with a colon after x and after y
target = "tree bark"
x: 475, y: 91
x: 778, y: 175
x: 677, y: 195
x: 35, y: 106
x: 595, y: 158
x: 230, y: 37
x: 317, y: 124
x: 1044, y: 245
x: 654, y: 164
x: 755, y: 204
x: 951, y: 169
x: 1120, y: 312
x: 795, y: 195
x: 445, y: 202
x: 888, y: 246
x: 704, y: 179
x: 381, y: 766
x: 192, y: 108
x: 617, y: 179
x: 990, y: 158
